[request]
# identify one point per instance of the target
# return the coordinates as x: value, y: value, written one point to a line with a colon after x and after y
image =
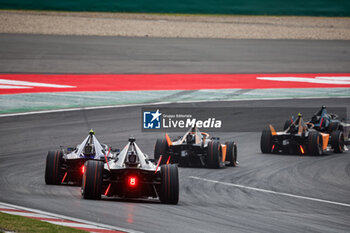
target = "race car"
x: 67, y: 166
x: 131, y: 175
x: 298, y: 138
x: 322, y: 121
x: 196, y: 149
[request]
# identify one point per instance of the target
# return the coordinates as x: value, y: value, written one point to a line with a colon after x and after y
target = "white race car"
x: 67, y: 166
x: 131, y: 175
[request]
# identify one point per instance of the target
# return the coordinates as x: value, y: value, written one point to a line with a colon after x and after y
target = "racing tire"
x: 315, y: 143
x: 287, y: 123
x: 333, y: 126
x: 266, y: 141
x: 53, y: 171
x: 231, y: 154
x: 92, y: 180
x: 214, y: 155
x: 169, y: 190
x: 161, y: 148
x: 337, y: 141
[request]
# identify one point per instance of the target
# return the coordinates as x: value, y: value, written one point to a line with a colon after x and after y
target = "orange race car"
x: 196, y: 149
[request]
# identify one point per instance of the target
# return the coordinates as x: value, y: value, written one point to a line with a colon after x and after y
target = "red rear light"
x: 132, y: 181
x: 83, y: 169
x: 302, y: 149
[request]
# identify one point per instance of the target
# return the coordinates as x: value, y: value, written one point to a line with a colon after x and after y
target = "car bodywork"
x: 196, y: 149
x: 131, y: 175
x: 299, y: 138
x: 326, y: 122
x: 67, y: 166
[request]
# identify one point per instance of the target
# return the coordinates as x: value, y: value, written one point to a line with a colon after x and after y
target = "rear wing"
x: 194, y: 131
x: 97, y: 148
x: 120, y: 161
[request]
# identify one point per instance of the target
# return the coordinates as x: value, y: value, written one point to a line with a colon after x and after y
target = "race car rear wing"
x: 194, y: 130
x: 143, y: 159
x: 97, y: 147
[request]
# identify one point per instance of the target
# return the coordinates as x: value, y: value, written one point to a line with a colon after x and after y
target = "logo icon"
x: 151, y: 120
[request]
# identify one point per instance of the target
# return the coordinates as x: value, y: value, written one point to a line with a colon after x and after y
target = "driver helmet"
x: 132, y: 157
x: 190, y: 138
x: 89, y: 149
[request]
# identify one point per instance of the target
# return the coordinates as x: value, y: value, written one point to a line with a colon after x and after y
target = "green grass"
x: 27, y: 225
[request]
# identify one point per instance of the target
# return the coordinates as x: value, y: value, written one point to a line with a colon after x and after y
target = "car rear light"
x: 132, y: 181
x: 302, y: 150
x: 83, y: 169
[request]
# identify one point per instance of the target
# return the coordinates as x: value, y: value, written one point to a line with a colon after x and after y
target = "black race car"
x: 299, y: 138
x: 326, y: 122
x: 195, y: 148
x: 131, y: 175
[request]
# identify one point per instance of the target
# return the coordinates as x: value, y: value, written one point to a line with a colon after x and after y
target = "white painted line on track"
x: 78, y: 109
x: 63, y: 94
x: 73, y: 224
x: 26, y: 214
x: 271, y: 192
x: 77, y: 220
x: 161, y: 103
x: 32, y: 84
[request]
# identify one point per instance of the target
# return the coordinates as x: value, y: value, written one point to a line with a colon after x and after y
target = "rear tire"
x: 266, y: 141
x: 161, y: 148
x: 337, y: 141
x: 169, y: 191
x: 92, y: 180
x: 315, y: 143
x: 231, y: 153
x: 287, y: 123
x: 333, y: 126
x: 214, y: 156
x: 53, y: 171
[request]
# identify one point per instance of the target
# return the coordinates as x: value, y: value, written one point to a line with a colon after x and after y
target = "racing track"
x: 203, y: 206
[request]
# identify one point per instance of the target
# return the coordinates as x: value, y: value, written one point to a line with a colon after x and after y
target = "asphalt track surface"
x: 93, y: 54
x: 204, y: 206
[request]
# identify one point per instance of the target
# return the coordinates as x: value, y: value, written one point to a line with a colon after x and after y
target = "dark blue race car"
x: 329, y: 123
